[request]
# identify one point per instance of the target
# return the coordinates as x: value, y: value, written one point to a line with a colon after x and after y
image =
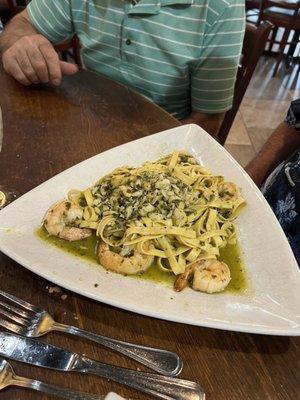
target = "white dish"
x: 272, y: 304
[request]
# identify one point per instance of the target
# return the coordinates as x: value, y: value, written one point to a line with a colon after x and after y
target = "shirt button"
x: 128, y: 42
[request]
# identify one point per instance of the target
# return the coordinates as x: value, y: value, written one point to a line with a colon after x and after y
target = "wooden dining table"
x: 48, y: 129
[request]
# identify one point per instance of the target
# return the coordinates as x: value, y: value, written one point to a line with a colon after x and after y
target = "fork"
x: 9, y: 378
x: 32, y: 321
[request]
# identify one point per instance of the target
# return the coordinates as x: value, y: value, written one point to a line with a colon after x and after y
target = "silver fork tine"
x: 14, y: 318
x: 12, y: 327
x: 20, y: 302
x: 17, y: 311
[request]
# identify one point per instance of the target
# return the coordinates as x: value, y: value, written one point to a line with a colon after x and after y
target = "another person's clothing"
x: 282, y: 189
x: 181, y: 54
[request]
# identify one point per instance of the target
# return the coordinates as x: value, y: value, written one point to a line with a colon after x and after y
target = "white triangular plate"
x: 272, y: 303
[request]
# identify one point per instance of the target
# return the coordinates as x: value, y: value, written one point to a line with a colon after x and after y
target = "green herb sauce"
x: 86, y: 249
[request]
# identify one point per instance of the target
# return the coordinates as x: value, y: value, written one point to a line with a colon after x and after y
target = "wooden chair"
x: 253, y: 8
x: 5, y: 13
x: 252, y: 4
x: 63, y: 48
x: 254, y: 43
x: 282, y: 14
x: 15, y: 7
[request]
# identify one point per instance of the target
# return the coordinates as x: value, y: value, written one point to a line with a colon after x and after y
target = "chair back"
x: 14, y: 7
x: 287, y: 4
x: 292, y: 5
x: 251, y: 4
x: 254, y: 43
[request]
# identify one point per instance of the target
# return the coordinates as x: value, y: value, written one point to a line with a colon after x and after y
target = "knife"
x: 41, y: 354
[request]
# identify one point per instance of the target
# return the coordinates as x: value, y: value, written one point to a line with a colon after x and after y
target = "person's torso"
x: 150, y: 46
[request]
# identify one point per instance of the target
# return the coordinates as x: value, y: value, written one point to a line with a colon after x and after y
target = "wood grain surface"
x: 47, y: 130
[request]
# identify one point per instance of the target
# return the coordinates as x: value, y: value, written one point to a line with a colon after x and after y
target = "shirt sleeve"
x: 52, y: 18
x: 213, y: 75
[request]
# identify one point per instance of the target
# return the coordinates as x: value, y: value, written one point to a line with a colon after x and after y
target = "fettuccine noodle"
x: 177, y: 205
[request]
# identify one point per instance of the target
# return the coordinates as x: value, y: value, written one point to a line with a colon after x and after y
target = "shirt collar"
x: 152, y: 6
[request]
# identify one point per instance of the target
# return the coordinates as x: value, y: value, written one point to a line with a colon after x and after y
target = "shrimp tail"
x: 183, y: 279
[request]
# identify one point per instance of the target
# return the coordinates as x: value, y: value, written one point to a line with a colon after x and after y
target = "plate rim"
x: 201, y: 323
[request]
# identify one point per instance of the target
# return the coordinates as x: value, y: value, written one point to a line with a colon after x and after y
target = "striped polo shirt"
x: 181, y: 54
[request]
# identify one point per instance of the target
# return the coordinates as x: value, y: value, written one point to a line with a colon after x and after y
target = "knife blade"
x: 42, y: 354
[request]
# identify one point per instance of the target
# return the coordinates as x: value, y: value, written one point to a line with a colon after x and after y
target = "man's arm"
x: 209, y: 122
x: 278, y: 148
x: 29, y: 56
x: 18, y: 27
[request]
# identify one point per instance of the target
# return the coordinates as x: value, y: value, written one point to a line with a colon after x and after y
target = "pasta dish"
x: 172, y: 212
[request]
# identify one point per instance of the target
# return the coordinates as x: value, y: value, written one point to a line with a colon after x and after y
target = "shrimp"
x: 59, y: 220
x: 209, y: 276
x: 228, y: 191
x: 127, y: 265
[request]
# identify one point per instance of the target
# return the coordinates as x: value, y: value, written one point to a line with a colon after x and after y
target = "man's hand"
x: 32, y: 59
